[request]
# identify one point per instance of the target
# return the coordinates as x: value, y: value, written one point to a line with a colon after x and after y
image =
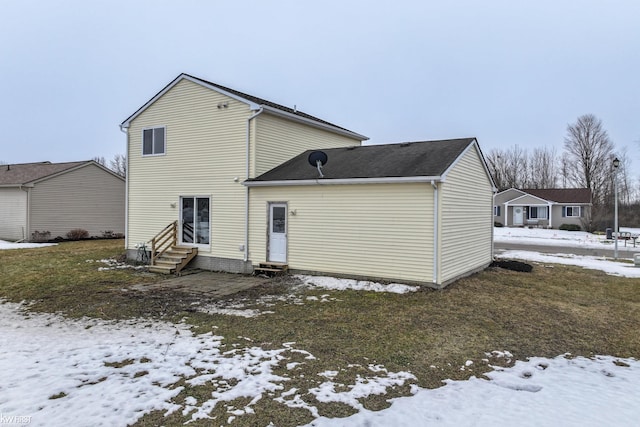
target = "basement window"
x: 153, y: 141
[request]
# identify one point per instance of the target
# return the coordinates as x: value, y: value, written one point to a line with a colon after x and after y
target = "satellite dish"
x: 318, y: 159
x: 318, y: 156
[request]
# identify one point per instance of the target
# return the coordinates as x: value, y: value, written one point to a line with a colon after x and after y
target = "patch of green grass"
x: 431, y: 333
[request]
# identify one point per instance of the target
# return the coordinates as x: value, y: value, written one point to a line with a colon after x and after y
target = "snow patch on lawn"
x: 61, y: 372
x: 539, y: 392
x: 114, y: 264
x: 334, y: 283
x: 563, y: 238
x: 10, y: 245
x: 615, y: 268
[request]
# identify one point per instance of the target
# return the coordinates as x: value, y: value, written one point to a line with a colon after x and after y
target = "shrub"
x: 40, y: 236
x: 109, y: 234
x: 77, y: 234
x: 570, y: 227
x: 497, y: 224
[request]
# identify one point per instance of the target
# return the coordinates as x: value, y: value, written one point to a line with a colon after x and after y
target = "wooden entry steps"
x: 173, y: 260
x: 271, y: 268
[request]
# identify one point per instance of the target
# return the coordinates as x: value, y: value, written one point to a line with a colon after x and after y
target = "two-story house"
x: 228, y: 174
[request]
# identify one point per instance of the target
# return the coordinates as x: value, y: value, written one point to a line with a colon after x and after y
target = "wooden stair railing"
x: 163, y: 241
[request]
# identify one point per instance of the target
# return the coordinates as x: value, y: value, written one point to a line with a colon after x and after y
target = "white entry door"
x: 518, y: 215
x: 278, y: 232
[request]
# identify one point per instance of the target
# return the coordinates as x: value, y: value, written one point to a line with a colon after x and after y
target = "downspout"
x: 246, y: 195
x: 435, y: 231
x: 126, y: 193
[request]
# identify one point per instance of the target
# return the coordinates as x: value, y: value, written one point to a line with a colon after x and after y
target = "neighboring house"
x: 59, y: 197
x: 549, y: 208
x: 195, y: 143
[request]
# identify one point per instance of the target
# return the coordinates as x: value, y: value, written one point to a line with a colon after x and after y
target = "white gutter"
x: 248, y: 171
x: 435, y: 231
x: 345, y: 181
x: 125, y: 130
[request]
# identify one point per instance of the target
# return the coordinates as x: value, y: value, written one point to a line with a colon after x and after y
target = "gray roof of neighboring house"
x: 423, y: 158
x: 562, y: 195
x: 25, y: 173
x: 248, y: 98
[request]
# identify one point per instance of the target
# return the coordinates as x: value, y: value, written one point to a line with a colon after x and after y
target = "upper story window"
x: 153, y: 141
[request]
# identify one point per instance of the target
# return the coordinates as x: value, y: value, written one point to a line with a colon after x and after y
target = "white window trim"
x: 164, y: 131
x: 538, y: 217
x: 204, y: 246
x: 573, y: 209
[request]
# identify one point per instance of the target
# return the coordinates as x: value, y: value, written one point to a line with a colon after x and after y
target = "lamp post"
x: 616, y: 163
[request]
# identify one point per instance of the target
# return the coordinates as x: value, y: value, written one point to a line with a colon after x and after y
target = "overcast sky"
x: 507, y: 72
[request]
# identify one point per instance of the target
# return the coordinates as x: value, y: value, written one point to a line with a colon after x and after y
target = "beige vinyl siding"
x: 205, y: 152
x: 89, y: 198
x: 371, y: 230
x: 466, y: 218
x: 13, y: 214
x: 279, y: 140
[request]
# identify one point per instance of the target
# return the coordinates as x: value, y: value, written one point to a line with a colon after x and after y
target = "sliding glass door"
x: 195, y: 220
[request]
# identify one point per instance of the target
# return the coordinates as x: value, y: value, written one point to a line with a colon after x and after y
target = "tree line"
x: 586, y: 161
x: 118, y: 163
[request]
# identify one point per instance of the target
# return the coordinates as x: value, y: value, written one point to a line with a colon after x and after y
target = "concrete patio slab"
x: 206, y: 283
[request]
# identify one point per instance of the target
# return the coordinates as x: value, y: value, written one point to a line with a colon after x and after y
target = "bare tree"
x: 119, y: 164
x: 542, y: 168
x: 517, y: 168
x: 589, y: 152
x: 497, y: 165
x: 622, y: 173
x: 100, y: 160
x: 564, y: 170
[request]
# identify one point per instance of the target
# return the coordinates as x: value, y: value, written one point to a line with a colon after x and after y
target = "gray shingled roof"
x: 248, y: 98
x: 411, y: 159
x: 25, y: 173
x: 562, y: 195
x: 261, y: 101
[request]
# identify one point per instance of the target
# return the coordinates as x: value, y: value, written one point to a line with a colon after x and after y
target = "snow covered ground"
x: 571, y: 239
x: 59, y: 372
x: 10, y: 245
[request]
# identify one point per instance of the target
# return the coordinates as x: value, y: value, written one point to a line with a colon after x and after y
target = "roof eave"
x: 74, y: 168
x: 313, y: 123
x: 25, y: 185
x: 125, y: 124
x: 344, y: 181
x: 252, y: 106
